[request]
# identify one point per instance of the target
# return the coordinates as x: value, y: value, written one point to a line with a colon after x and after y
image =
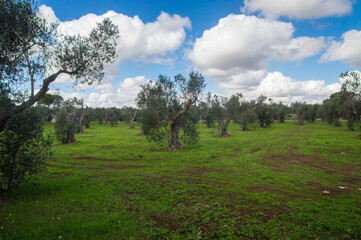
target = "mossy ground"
x: 283, y: 182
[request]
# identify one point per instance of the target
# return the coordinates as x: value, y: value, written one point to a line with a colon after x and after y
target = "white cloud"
x: 149, y: 42
x: 282, y: 88
x: 237, y: 50
x: 112, y: 96
x: 48, y: 14
x: 298, y: 9
x: 348, y: 50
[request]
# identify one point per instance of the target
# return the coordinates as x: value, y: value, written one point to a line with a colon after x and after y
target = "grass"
x: 283, y: 182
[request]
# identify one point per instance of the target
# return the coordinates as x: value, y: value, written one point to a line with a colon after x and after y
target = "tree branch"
x: 183, y: 111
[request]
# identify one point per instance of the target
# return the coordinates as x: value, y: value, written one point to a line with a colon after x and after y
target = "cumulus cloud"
x: 238, y: 49
x: 298, y: 9
x: 149, y: 42
x: 47, y: 13
x: 349, y: 49
x: 282, y: 88
x: 107, y: 95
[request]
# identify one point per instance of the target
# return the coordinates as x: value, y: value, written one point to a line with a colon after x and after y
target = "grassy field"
x: 283, y: 182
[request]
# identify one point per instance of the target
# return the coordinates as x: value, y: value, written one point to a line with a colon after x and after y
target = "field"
x: 283, y: 182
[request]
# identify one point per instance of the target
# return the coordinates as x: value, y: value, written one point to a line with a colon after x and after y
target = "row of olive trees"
x: 345, y: 104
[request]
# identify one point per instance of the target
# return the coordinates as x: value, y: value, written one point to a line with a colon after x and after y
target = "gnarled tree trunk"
x: 80, y: 121
x: 174, y: 136
x: 224, y: 128
x: 131, y: 123
x: 174, y: 143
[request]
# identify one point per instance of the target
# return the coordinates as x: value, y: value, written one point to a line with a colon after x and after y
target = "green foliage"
x: 23, y: 148
x: 29, y: 46
x: 159, y: 135
x: 263, y: 113
x: 190, y: 133
x: 61, y: 126
x: 168, y: 100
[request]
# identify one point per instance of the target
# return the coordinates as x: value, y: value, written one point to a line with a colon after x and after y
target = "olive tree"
x: 164, y: 104
x: 31, y: 49
x: 247, y: 115
x: 262, y: 112
x: 351, y: 97
x: 225, y: 110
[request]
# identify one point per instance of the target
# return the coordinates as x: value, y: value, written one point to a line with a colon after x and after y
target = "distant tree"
x: 225, y: 110
x: 101, y: 115
x: 112, y: 116
x: 282, y: 112
x: 129, y: 114
x: 23, y: 148
x: 51, y: 100
x: 332, y: 108
x: 351, y: 97
x: 205, y: 111
x: 300, y: 111
x: 247, y: 115
x: 311, y: 112
x: 66, y: 119
x: 262, y: 111
x: 29, y: 47
x: 167, y: 101
x: 81, y: 111
x: 49, y: 105
x: 89, y: 116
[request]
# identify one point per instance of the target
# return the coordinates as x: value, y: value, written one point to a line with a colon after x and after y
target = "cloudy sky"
x: 289, y: 50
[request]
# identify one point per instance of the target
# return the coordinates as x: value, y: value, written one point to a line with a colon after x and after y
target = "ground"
x: 283, y: 182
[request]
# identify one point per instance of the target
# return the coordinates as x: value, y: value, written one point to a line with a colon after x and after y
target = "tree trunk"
x: 104, y: 121
x: 80, y: 122
x: 175, y: 127
x: 6, y: 114
x: 350, y: 124
x: 174, y: 136
x: 142, y: 133
x: 245, y: 127
x: 70, y: 135
x: 87, y: 124
x: 224, y: 128
x: 131, y: 123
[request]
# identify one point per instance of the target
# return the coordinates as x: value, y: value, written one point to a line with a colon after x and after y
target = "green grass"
x: 263, y: 184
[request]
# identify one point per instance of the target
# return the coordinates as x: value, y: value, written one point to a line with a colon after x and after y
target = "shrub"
x: 23, y: 148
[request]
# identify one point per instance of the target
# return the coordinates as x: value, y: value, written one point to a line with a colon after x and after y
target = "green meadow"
x: 282, y: 182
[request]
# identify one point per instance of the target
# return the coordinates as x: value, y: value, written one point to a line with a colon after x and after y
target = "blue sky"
x: 289, y: 50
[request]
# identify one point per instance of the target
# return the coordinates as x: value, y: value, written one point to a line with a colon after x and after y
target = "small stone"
x: 343, y: 153
x: 359, y: 189
x: 326, y: 192
x: 341, y: 187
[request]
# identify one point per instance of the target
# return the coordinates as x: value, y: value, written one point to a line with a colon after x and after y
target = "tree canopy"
x: 31, y: 49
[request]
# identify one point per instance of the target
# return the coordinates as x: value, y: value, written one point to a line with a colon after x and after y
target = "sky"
x: 287, y: 50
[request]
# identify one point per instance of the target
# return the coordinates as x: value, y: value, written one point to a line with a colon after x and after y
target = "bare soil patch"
x: 201, y: 171
x: 58, y: 166
x: 134, y: 160
x: 122, y: 166
x: 256, y: 150
x: 96, y: 159
x: 280, y: 162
